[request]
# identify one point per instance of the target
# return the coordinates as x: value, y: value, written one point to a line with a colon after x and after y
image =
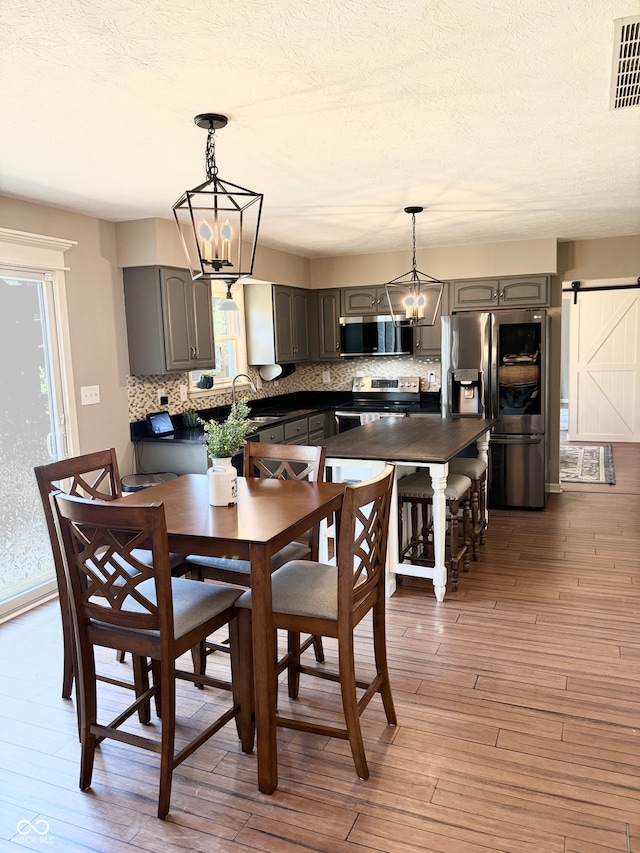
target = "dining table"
x: 411, y: 444
x: 269, y: 514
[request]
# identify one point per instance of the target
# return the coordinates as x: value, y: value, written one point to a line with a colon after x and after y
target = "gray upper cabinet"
x: 169, y: 321
x: 328, y: 313
x: 277, y: 319
x: 514, y: 292
x: 361, y: 301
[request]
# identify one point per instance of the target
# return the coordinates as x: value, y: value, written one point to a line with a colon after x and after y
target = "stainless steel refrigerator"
x: 494, y: 365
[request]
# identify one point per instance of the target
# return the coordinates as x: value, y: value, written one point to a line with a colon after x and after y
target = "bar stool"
x: 416, y: 490
x: 476, y: 471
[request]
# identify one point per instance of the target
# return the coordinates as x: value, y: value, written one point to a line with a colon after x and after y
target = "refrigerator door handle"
x: 516, y: 439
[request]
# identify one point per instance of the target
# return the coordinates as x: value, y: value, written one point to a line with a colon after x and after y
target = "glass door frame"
x: 41, y: 258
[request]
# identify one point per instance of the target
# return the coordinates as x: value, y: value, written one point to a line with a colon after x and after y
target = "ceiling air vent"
x: 625, y: 81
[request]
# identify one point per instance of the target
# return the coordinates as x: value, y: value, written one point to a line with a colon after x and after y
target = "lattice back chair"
x: 119, y: 601
x: 330, y: 601
x: 93, y: 476
x: 283, y: 461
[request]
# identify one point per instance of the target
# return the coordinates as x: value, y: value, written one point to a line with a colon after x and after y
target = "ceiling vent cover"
x: 625, y: 80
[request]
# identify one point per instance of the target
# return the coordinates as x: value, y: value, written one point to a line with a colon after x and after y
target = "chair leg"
x: 350, y: 703
x: 475, y: 519
x: 454, y: 558
x: 380, y: 655
x: 482, y: 504
x: 244, y: 683
x: 86, y: 697
x: 293, y: 667
x: 167, y: 738
x: 141, y: 682
x: 318, y: 649
x: 467, y: 532
x: 199, y: 658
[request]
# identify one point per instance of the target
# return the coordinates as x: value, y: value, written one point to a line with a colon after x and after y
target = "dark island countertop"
x: 408, y: 439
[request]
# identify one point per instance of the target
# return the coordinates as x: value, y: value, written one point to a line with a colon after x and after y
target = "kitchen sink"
x: 265, y: 419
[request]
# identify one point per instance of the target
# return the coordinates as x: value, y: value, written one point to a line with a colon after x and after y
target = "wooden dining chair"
x: 121, y: 602
x: 280, y: 461
x: 93, y: 476
x: 329, y: 601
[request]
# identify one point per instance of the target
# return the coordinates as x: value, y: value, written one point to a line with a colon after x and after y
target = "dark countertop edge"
x: 409, y: 455
x: 290, y: 406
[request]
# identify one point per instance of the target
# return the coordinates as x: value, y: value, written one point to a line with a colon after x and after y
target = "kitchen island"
x: 411, y: 444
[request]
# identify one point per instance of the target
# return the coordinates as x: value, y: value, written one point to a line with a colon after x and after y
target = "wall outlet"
x: 326, y: 377
x: 163, y: 397
x: 89, y: 395
x: 184, y: 393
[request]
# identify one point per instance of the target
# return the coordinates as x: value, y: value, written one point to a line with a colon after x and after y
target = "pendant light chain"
x: 413, y: 223
x: 212, y: 168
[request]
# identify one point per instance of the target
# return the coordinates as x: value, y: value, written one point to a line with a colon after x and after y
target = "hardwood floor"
x: 518, y: 701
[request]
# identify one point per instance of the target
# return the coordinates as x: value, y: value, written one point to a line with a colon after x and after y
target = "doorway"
x: 35, y: 423
x: 600, y: 380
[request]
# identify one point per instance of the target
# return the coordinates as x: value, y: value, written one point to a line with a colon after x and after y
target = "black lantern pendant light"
x: 218, y: 221
x: 422, y: 292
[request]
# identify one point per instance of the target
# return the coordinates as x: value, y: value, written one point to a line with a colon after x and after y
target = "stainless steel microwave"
x: 375, y: 335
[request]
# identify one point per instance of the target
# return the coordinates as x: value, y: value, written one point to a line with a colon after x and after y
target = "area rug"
x: 587, y: 463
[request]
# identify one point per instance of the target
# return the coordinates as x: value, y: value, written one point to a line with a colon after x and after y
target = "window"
x: 230, y: 343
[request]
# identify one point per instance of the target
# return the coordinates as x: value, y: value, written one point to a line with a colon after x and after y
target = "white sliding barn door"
x: 604, y: 378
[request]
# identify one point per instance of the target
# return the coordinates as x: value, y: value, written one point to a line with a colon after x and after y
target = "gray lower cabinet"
x: 306, y: 430
x: 277, y: 322
x: 513, y: 292
x: 169, y: 321
x: 271, y: 435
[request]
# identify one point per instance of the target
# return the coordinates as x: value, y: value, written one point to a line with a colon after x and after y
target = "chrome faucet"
x: 233, y: 386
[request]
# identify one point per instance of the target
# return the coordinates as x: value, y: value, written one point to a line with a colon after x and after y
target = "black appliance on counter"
x: 378, y: 397
x: 374, y: 336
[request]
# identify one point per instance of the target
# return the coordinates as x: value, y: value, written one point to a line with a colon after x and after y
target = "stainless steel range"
x: 377, y: 397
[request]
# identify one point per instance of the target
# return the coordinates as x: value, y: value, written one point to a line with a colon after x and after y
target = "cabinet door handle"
x: 337, y: 347
x: 501, y: 295
x: 495, y: 294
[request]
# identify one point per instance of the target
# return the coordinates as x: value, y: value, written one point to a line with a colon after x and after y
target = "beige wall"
x: 479, y: 261
x: 613, y: 257
x: 156, y: 241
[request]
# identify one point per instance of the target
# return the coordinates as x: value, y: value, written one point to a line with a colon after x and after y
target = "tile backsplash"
x: 309, y: 376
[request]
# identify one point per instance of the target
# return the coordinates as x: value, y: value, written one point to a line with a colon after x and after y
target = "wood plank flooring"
x: 518, y: 702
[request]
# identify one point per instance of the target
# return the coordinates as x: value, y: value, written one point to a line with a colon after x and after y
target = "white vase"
x: 223, y: 482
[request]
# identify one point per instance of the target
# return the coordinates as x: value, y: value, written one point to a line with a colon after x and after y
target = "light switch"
x: 89, y: 395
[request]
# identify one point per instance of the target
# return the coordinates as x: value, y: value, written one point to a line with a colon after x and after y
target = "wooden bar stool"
x: 416, y: 491
x: 476, y: 471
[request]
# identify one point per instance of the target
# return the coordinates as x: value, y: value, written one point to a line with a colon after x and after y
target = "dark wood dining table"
x: 269, y: 514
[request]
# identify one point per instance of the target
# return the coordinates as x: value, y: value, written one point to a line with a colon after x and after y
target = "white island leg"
x: 483, y: 453
x: 439, y: 482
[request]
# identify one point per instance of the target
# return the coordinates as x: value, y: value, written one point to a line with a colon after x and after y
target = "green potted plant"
x: 190, y: 417
x: 223, y: 440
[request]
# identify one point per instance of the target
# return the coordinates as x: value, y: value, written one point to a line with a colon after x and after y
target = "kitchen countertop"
x: 188, y: 435
x: 284, y: 408
x: 408, y: 439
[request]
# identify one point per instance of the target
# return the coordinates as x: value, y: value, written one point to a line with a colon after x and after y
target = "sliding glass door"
x: 32, y: 431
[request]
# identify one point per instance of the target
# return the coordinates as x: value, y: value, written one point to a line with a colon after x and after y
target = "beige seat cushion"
x: 418, y: 485
x: 303, y: 588
x: 292, y: 551
x: 473, y: 468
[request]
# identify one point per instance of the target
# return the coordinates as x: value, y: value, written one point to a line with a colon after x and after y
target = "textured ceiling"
x: 494, y: 115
